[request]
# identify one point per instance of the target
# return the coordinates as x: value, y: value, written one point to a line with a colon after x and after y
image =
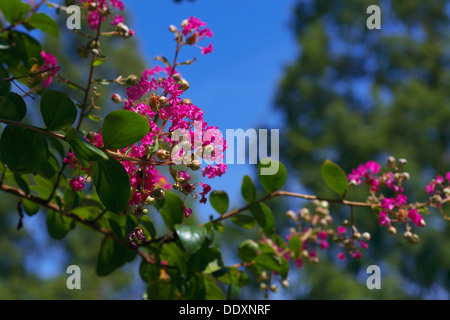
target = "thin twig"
x: 28, y: 75
x: 33, y: 128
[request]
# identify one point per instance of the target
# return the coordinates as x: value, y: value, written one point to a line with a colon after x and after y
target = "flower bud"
x: 159, y: 194
x: 132, y: 80
x: 94, y: 51
x: 162, y: 154
x: 357, y: 235
x: 195, y: 165
x: 366, y: 236
x: 176, y: 186
x: 123, y: 29
x: 184, y: 85
x: 274, y: 288
x: 150, y: 200
x: 423, y: 223
x: 116, y: 98
x: 263, y: 286
x: 391, y: 162
x: 405, y: 176
x: 186, y: 101
x: 285, y: 283
x: 407, y: 235
x: 290, y: 214
x: 184, y: 22
x: 92, y: 6
x: 209, y: 149
x: 392, y: 230
x: 162, y: 101
x: 345, y: 223
x: 402, y: 161
x: 264, y: 275
x: 172, y: 28
x: 324, y: 204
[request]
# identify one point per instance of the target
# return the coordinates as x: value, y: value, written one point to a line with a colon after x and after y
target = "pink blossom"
x: 71, y: 160
x: 206, y: 189
x: 208, y: 49
x: 187, y: 212
x: 214, y: 171
x: 439, y: 179
x: 373, y: 166
x: 299, y: 263
x: 324, y: 245
x: 322, y: 235
x: 50, y: 62
x: 447, y: 176
x: 184, y: 175
x: 363, y: 244
x: 341, y: 230
x: 415, y: 217
x: 400, y: 200
x: 357, y: 254
x: 117, y: 19
x: 77, y: 183
x: 384, y: 219
x: 387, y: 203
x: 341, y: 256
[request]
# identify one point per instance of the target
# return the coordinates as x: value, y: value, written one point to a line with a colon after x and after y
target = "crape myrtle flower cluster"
x: 100, y: 10
x: 314, y: 228
x: 44, y: 77
x: 179, y: 138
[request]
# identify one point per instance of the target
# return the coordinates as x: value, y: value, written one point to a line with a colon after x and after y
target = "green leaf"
x: 334, y: 177
x: 248, y: 189
x: 58, y: 110
x: 284, y: 268
x: 94, y: 118
x: 49, y: 168
x: 22, y: 183
x: 171, y: 209
x: 31, y: 208
x: 58, y: 225
x: 274, y: 178
x: 244, y: 221
x: 26, y: 50
x: 82, y: 148
x: 14, y: 10
x: 111, y: 256
x: 5, y: 86
x: 12, y: 107
x: 44, y: 23
x: 99, y: 60
x: 191, y: 237
x: 295, y: 245
x: 263, y: 215
x: 23, y: 151
x: 248, y: 250
x: 122, y: 128
x: 112, y: 184
x: 269, y: 261
x: 149, y: 272
x: 220, y: 201
x: 149, y: 226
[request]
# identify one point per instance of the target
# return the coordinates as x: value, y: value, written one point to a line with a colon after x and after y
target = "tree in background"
x: 356, y: 94
x: 18, y: 276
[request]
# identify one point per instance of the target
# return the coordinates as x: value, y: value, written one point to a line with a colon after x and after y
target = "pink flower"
x: 401, y: 200
x: 447, y: 176
x: 429, y: 188
x: 322, y: 235
x: 363, y: 245
x: 415, y: 217
x: 206, y: 189
x: 357, y: 254
x: 215, y: 171
x: 439, y: 179
x: 208, y: 49
x: 299, y: 263
x: 387, y: 203
x: 71, y: 160
x: 341, y: 256
x: 187, y: 212
x: 184, y: 175
x: 50, y: 62
x: 373, y: 166
x: 324, y: 245
x: 78, y: 183
x: 383, y: 219
x: 117, y: 19
x: 341, y: 230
